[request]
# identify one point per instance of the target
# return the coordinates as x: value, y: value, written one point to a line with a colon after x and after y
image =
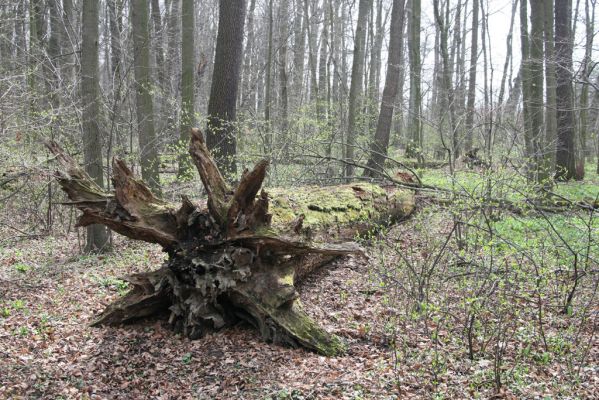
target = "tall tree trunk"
x: 174, y: 49
x: 378, y: 31
x: 54, y: 52
x: 299, y: 48
x: 220, y: 135
x: 414, y: 148
x: 248, y: 96
x: 97, y: 237
x: 158, y: 42
x: 283, y: 22
x: 312, y: 14
x: 357, y: 78
x: 115, y: 38
x: 586, y: 76
x: 268, y: 142
x: 378, y: 149
x: 537, y: 22
x: 158, y: 49
x: 323, y: 79
x: 526, y: 86
x: 187, y: 82
x: 565, y: 151
x: 148, y: 152
x: 472, y: 78
x: 550, y: 94
x: 447, y: 102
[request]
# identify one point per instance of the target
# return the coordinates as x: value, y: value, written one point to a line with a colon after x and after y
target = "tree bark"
x: 97, y: 237
x: 187, y: 83
x: 378, y: 151
x: 220, y: 134
x: 148, y: 152
x: 526, y: 86
x: 587, y: 65
x: 565, y: 151
x: 238, y: 257
x: 536, y: 108
x: 357, y: 78
x: 414, y: 147
x: 472, y: 78
x: 283, y: 20
x: 550, y: 94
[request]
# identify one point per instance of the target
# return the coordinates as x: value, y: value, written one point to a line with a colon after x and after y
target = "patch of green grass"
x: 22, y: 267
x: 110, y: 282
x: 18, y: 305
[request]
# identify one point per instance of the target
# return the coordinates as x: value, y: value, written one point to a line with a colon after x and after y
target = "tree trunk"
x: 220, y: 135
x: 283, y: 20
x: 239, y: 257
x: 536, y: 109
x: 357, y: 77
x: 248, y: 96
x: 447, y: 102
x: 587, y: 65
x: 268, y: 142
x: 187, y: 83
x: 299, y: 46
x: 526, y: 85
x: 472, y: 79
x: 97, y: 237
x: 550, y: 94
x: 380, y: 144
x: 565, y: 156
x: 148, y: 152
x: 414, y: 148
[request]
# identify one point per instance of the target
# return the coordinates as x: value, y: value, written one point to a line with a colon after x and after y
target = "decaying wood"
x: 241, y: 256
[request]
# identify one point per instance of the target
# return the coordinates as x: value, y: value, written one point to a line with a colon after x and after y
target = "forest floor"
x: 48, y: 296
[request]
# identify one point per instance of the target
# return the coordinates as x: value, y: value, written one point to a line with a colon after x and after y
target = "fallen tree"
x: 239, y: 255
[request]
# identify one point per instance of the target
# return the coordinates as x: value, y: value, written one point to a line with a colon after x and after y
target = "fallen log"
x: 239, y: 255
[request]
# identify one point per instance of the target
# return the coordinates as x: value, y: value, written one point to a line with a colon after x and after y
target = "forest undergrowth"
x: 466, y: 299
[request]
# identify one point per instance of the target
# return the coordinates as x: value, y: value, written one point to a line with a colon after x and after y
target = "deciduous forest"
x: 299, y: 199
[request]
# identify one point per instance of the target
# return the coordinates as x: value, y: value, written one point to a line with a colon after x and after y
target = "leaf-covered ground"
x: 48, y: 295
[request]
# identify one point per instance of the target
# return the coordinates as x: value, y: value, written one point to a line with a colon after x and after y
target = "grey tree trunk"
x: 586, y: 76
x: 357, y: 78
x: 550, y: 87
x: 472, y: 78
x: 414, y: 148
x: 220, y: 135
x: 565, y: 151
x: 526, y: 83
x: 447, y: 104
x: 187, y: 83
x: 283, y: 22
x: 248, y: 96
x: 378, y: 31
x: 97, y: 237
x: 536, y: 108
x: 378, y: 150
x: 268, y: 143
x: 143, y: 86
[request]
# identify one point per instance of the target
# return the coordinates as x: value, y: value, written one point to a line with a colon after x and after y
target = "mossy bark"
x: 240, y: 256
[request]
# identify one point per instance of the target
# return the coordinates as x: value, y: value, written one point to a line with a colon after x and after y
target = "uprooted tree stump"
x: 239, y: 256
